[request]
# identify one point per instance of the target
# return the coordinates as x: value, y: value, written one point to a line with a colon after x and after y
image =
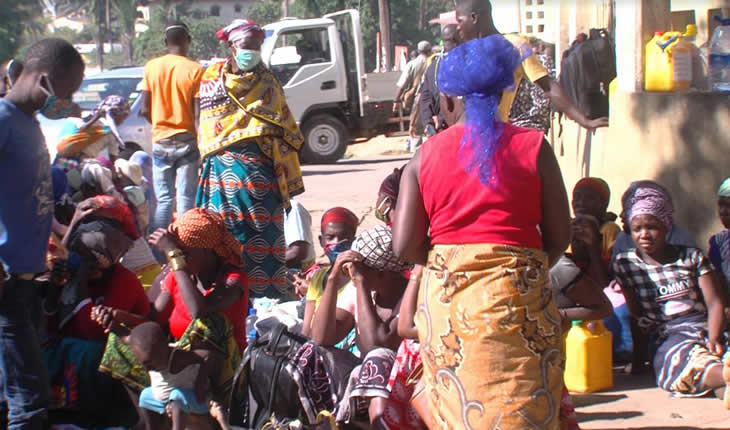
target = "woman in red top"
x: 91, y: 282
x: 493, y: 198
x: 204, y: 300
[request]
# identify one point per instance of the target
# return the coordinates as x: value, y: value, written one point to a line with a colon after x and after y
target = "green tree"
x: 265, y: 11
x: 205, y: 44
x: 126, y: 16
x: 15, y: 16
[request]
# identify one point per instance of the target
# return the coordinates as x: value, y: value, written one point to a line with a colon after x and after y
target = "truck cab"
x: 320, y: 64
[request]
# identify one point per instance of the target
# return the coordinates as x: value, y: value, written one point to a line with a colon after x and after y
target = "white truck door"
x: 306, y: 62
x: 348, y: 26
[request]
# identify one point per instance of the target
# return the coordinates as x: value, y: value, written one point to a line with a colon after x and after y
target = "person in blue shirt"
x: 53, y: 72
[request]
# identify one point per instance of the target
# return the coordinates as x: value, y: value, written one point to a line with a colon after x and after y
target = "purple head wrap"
x: 651, y: 201
x: 480, y: 70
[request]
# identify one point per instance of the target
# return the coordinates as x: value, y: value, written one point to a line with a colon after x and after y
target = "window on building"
x: 540, y: 1
x: 528, y: 15
x: 528, y: 2
x: 215, y: 10
x: 540, y: 28
x: 238, y: 8
x: 529, y: 29
x: 541, y: 14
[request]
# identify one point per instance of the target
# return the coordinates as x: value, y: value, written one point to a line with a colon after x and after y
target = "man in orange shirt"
x: 170, y: 104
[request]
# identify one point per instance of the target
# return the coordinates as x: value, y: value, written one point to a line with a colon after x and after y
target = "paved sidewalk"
x: 636, y: 404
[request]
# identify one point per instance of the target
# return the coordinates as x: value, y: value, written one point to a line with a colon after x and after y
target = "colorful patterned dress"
x: 249, y: 142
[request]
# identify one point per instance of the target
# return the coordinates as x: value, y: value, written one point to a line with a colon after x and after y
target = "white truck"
x: 321, y: 65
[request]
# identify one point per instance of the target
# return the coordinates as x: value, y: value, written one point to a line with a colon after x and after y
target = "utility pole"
x: 384, y: 10
x: 422, y: 15
x: 284, y: 8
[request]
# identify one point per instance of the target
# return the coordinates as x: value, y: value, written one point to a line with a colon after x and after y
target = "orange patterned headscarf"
x: 200, y: 228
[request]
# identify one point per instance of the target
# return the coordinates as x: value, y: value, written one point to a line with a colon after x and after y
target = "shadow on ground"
x: 360, y: 161
x: 331, y: 172
x: 584, y: 417
x: 585, y: 400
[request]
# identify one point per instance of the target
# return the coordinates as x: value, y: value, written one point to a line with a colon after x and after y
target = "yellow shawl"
x: 235, y: 108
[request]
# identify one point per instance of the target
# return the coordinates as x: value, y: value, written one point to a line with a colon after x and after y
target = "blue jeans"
x: 176, y: 161
x: 185, y: 399
x: 24, y: 376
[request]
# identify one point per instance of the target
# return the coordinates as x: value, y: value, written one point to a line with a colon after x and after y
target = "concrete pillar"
x: 636, y: 22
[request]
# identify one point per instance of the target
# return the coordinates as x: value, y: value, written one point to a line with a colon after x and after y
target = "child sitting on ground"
x: 178, y: 378
x: 673, y: 292
x: 339, y: 226
x: 720, y: 242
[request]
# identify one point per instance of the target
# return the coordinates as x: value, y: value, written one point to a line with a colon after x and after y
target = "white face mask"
x: 247, y: 59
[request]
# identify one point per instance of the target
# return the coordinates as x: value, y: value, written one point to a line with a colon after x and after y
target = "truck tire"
x: 325, y: 139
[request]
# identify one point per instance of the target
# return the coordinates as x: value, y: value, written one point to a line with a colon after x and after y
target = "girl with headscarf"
x: 249, y: 142
x: 720, y: 243
x: 90, y: 281
x: 370, y: 304
x: 493, y: 198
x: 204, y: 301
x: 672, y: 291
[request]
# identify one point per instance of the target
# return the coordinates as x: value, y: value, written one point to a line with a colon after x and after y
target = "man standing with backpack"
x: 475, y: 21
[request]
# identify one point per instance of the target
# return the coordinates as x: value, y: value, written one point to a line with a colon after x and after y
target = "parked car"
x: 125, y: 82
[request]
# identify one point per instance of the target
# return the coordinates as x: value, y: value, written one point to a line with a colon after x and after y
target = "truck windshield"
x: 293, y: 49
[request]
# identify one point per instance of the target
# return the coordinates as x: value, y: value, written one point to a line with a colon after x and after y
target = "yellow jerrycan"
x: 589, y: 360
x: 668, y: 63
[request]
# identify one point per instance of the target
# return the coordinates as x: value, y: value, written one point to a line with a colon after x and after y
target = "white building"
x: 225, y: 10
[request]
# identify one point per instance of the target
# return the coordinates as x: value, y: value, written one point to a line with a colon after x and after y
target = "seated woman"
x: 672, y: 291
x: 720, y: 243
x: 139, y: 259
x: 579, y: 297
x: 203, y: 300
x: 90, y: 138
x: 387, y: 197
x: 370, y: 305
x: 89, y: 283
x: 338, y: 226
x: 591, y: 196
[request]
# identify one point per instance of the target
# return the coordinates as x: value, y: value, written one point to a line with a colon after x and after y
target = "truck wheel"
x: 325, y: 139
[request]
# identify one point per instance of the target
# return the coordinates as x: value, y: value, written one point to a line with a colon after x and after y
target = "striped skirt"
x: 239, y: 184
x: 682, y: 360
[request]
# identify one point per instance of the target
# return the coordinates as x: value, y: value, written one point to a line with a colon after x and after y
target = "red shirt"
x: 120, y: 290
x: 462, y: 210
x: 180, y: 317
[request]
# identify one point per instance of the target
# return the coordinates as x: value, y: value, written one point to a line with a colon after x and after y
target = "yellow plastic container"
x: 668, y: 63
x: 589, y: 360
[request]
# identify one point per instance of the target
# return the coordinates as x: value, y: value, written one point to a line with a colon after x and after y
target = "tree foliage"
x: 205, y: 44
x: 265, y: 11
x: 14, y: 18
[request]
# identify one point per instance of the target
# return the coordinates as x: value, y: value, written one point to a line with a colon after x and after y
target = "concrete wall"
x: 680, y: 140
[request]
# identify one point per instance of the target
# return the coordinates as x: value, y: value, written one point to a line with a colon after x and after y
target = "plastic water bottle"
x: 720, y: 57
x: 251, y: 320
x: 251, y: 336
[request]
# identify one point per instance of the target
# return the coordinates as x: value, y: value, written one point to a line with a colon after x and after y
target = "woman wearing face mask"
x: 339, y: 226
x: 249, y: 143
